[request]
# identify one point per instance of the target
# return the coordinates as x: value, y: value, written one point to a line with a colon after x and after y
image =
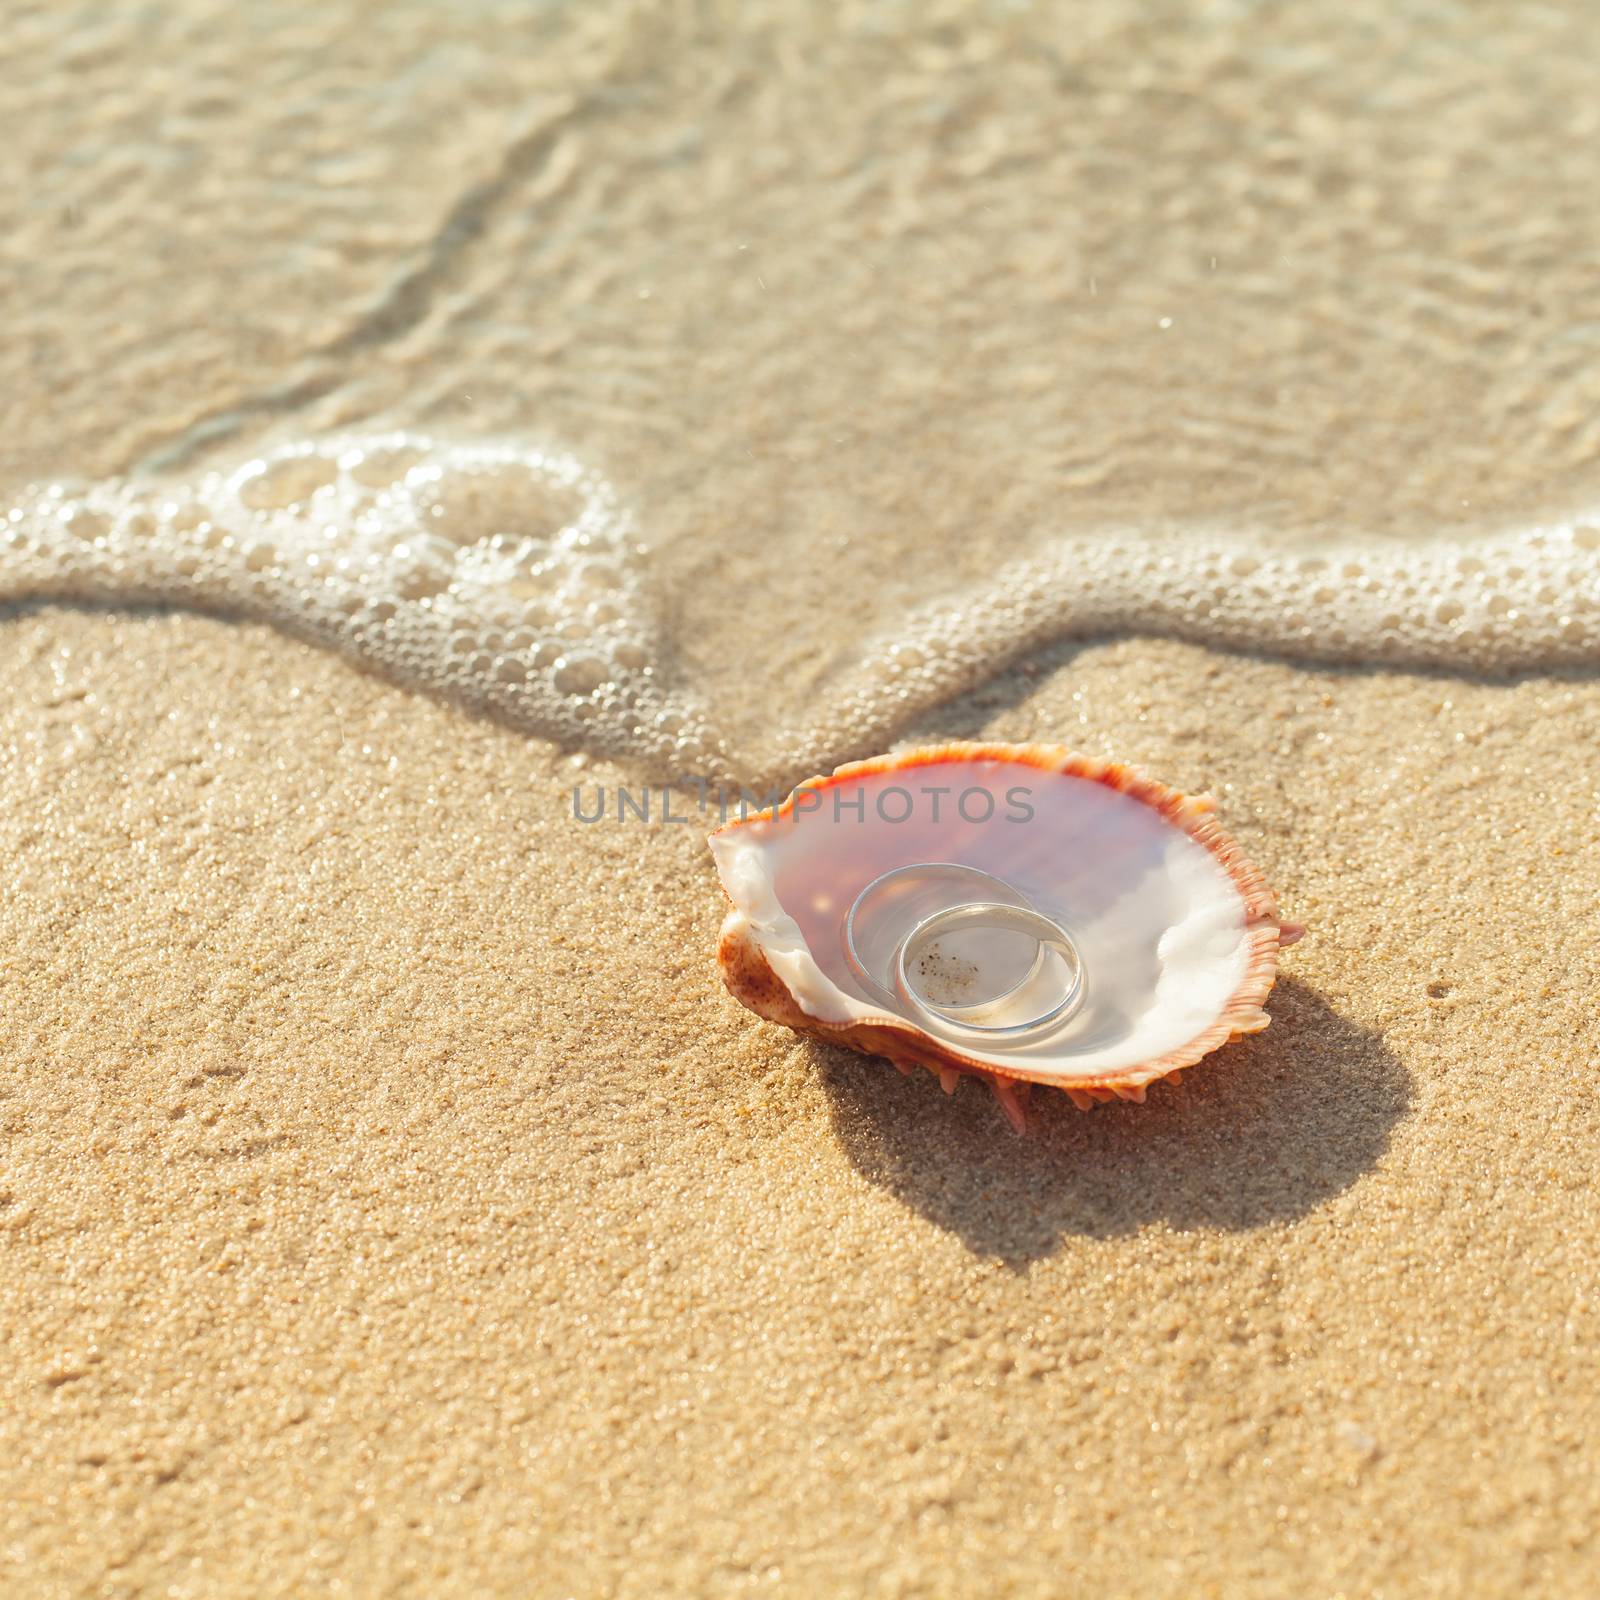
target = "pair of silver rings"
x: 908, y: 928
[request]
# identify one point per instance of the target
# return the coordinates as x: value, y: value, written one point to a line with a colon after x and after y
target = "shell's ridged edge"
x: 751, y: 980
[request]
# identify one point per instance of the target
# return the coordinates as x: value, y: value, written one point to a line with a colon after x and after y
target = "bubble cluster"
x: 511, y: 580
x: 504, y: 577
x: 1526, y: 601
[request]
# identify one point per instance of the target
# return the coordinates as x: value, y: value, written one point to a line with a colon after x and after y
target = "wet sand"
x: 393, y: 1201
x: 854, y: 305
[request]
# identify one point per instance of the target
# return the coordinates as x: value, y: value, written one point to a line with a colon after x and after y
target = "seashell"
x: 1016, y: 913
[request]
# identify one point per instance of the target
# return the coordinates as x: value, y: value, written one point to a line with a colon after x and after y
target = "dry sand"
x: 394, y: 1203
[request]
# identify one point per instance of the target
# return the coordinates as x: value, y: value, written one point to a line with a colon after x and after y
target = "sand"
x: 395, y: 1204
x: 391, y: 1200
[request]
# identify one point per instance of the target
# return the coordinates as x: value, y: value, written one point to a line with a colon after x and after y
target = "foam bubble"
x: 504, y: 577
x: 510, y: 579
x: 1526, y: 601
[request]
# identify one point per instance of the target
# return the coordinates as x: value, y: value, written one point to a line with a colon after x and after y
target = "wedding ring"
x: 1046, y: 993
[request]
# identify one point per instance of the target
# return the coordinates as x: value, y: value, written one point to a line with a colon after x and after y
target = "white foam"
x: 1527, y: 601
x: 505, y: 577
x: 512, y: 580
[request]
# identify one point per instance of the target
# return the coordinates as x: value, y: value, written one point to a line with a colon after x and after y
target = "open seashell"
x: 1016, y: 913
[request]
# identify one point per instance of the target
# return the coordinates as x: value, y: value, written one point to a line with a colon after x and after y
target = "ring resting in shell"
x: 1177, y: 933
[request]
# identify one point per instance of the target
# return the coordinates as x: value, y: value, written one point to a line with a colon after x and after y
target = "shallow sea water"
x: 725, y: 385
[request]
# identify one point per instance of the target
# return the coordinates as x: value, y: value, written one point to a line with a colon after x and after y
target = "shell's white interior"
x: 1158, y: 922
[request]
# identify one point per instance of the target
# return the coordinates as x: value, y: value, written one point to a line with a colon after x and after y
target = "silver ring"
x: 974, y: 880
x: 1051, y: 936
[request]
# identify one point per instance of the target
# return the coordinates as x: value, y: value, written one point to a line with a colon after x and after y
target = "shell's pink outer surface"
x: 751, y: 979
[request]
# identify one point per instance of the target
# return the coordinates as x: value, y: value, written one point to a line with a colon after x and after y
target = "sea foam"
x: 514, y: 581
x: 504, y: 577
